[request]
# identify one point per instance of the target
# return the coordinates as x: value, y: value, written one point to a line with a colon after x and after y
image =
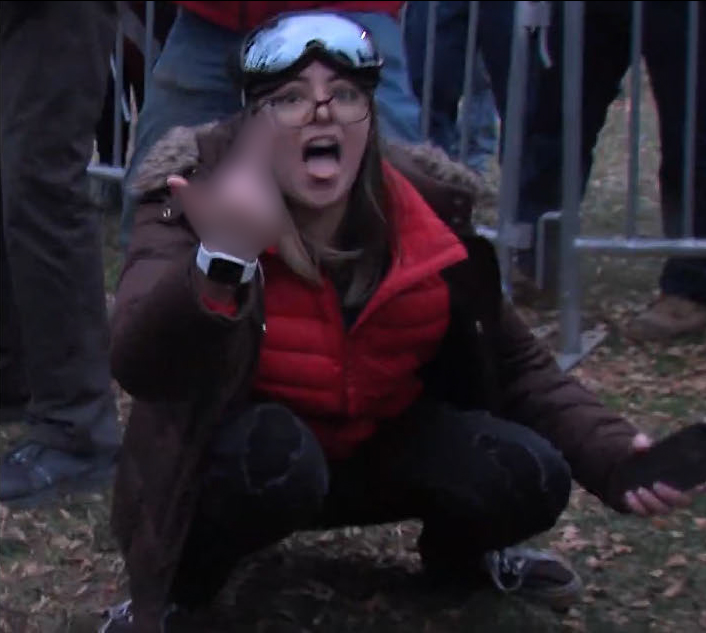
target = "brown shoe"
x: 668, y: 317
x: 536, y: 575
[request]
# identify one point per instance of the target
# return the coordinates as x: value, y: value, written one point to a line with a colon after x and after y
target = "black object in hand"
x: 679, y: 461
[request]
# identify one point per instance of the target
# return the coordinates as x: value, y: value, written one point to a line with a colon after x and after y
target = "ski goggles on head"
x: 283, y: 43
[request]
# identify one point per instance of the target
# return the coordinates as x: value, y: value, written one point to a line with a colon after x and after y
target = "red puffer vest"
x: 341, y: 382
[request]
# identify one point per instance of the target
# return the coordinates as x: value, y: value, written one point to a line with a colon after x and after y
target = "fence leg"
x: 509, y: 234
x: 569, y: 281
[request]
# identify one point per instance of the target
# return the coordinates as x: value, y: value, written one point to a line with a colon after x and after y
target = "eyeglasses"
x: 297, y: 108
x: 280, y: 43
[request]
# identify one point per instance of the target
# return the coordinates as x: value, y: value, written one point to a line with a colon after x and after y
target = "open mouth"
x: 321, y: 149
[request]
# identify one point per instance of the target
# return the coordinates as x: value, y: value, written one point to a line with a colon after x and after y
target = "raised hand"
x: 239, y: 209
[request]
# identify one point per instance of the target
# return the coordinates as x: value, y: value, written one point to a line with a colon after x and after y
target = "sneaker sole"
x: 559, y: 599
x: 94, y: 482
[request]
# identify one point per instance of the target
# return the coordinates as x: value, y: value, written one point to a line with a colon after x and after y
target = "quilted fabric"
x: 342, y: 382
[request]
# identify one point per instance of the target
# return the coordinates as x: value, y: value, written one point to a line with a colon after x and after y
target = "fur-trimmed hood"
x: 448, y: 186
x: 176, y: 152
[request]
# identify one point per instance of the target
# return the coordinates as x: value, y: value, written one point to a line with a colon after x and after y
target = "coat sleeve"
x: 166, y: 344
x: 535, y: 392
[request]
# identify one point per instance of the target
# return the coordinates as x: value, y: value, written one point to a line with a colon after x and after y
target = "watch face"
x: 225, y: 272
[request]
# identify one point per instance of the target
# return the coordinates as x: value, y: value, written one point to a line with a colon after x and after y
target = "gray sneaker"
x: 120, y: 619
x: 534, y: 574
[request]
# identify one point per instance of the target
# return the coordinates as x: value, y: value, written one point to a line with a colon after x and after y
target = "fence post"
x: 528, y: 16
x: 692, y: 47
x: 117, y: 61
x: 570, y: 319
x: 634, y: 158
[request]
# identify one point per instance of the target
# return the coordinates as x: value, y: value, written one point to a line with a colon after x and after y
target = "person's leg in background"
x: 682, y: 307
x: 606, y: 55
x: 190, y: 85
x: 449, y: 60
x: 54, y: 67
x: 449, y: 68
x: 480, y: 485
x: 398, y: 108
x: 14, y: 390
x: 481, y: 123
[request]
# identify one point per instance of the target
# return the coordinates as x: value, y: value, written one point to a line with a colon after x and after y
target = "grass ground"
x: 59, y: 566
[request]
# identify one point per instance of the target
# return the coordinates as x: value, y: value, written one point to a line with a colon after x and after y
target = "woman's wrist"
x: 215, y: 290
x: 247, y: 254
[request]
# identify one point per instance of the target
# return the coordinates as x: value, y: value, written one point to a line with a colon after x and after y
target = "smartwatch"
x: 223, y: 268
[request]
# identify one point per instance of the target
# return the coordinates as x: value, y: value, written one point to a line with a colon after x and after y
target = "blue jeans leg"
x: 480, y: 121
x: 190, y: 85
x: 398, y: 108
x: 449, y: 56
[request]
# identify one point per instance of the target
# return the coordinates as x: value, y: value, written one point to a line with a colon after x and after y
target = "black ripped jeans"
x: 478, y: 483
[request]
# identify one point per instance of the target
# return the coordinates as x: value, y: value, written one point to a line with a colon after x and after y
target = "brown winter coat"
x: 182, y: 364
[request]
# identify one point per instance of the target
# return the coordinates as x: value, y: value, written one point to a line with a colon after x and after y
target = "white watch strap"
x: 204, y: 258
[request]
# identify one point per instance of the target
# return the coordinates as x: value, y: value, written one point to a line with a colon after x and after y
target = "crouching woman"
x: 309, y: 346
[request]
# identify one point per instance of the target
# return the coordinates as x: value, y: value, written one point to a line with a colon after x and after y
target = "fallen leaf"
x: 17, y: 534
x: 621, y: 549
x: 83, y: 589
x: 593, y: 562
x: 657, y: 573
x: 60, y: 542
x: 674, y: 589
x: 34, y: 569
x: 702, y: 620
x: 36, y: 608
x: 677, y: 560
x: 640, y: 604
x: 569, y: 532
x: 595, y: 590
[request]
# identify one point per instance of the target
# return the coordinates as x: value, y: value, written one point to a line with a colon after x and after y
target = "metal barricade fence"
x: 532, y: 19
x: 510, y: 236
x: 115, y: 170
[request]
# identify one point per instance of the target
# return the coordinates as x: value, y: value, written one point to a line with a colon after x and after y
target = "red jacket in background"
x: 243, y: 16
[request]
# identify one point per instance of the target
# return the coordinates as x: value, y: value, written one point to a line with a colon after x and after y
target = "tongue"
x: 322, y: 167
